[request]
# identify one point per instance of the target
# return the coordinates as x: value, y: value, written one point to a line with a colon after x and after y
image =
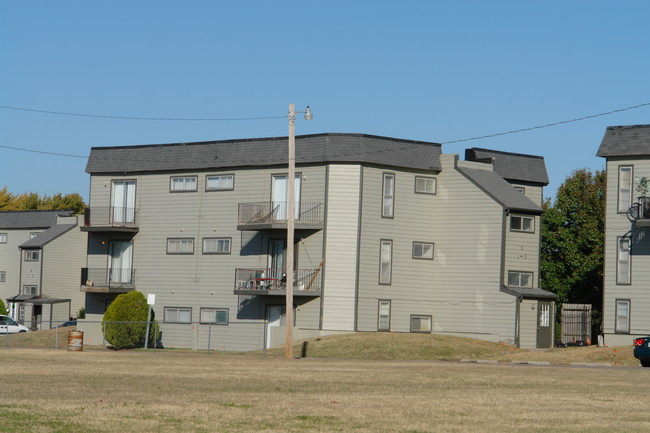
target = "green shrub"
x: 128, y: 307
x: 3, y: 309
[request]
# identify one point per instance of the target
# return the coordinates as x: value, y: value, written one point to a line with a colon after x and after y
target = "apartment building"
x: 626, y: 300
x: 40, y: 256
x: 391, y: 235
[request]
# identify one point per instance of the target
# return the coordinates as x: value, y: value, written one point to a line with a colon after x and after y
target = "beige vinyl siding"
x: 344, y: 189
x: 522, y: 250
x: 618, y: 225
x: 10, y: 260
x: 198, y: 280
x: 61, y: 277
x: 528, y: 319
x: 533, y: 192
x: 410, y: 290
x: 469, y: 232
x: 30, y: 271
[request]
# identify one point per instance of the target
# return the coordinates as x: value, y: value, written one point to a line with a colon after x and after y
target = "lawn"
x: 47, y: 390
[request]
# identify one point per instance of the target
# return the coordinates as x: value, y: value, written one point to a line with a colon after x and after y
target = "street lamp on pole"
x: 291, y: 217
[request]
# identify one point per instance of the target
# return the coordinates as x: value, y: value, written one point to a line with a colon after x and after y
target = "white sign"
x: 151, y: 299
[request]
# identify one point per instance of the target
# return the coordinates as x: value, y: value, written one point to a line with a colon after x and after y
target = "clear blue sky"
x: 424, y: 70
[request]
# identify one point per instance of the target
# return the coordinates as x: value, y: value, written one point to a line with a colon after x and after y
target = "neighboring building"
x: 391, y: 235
x: 40, y: 255
x: 626, y: 299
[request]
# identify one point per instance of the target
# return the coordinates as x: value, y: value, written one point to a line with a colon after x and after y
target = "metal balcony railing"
x: 639, y: 212
x: 305, y: 280
x: 111, y: 216
x: 276, y: 212
x: 111, y: 278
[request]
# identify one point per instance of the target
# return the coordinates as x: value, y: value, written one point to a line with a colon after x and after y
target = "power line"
x: 175, y: 119
x: 514, y: 131
x: 44, y: 152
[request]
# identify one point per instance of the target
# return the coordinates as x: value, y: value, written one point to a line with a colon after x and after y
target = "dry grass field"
x: 107, y: 391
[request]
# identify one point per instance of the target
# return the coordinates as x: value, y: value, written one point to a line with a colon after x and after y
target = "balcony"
x: 272, y: 282
x: 103, y: 280
x: 273, y: 215
x: 110, y: 218
x: 639, y: 212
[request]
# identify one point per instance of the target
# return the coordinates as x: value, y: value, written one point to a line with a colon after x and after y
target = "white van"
x: 9, y: 325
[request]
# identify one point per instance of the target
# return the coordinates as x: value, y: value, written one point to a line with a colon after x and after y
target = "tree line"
x: 32, y: 201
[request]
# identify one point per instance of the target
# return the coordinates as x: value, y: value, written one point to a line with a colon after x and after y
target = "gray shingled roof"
x: 48, y: 236
x: 316, y: 148
x: 33, y: 219
x: 512, y: 166
x: 631, y: 140
x: 530, y: 293
x: 500, y: 190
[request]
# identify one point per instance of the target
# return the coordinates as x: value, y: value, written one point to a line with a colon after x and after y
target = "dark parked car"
x: 642, y: 350
x: 68, y: 323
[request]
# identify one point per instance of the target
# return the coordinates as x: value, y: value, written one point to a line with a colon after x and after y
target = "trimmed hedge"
x: 128, y: 307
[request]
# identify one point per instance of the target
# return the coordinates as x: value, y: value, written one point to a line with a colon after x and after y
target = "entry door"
x: 121, y: 261
x: 277, y: 258
x: 544, y: 324
x: 123, y: 201
x: 280, y: 196
x: 275, y: 317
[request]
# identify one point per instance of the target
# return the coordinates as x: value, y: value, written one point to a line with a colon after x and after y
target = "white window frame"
x: 521, y: 226
x: 426, y: 185
x: 183, y: 183
x: 32, y: 235
x: 519, y: 275
x: 419, y: 319
x: 625, y: 179
x: 388, y: 196
x: 3, y: 276
x: 383, y: 315
x: 623, y: 261
x: 419, y: 248
x: 226, y: 182
x: 30, y: 289
x: 32, y: 255
x: 4, y: 238
x: 176, y: 245
x: 177, y: 315
x: 385, y: 261
x: 622, y: 316
x: 212, y: 316
x: 222, y: 246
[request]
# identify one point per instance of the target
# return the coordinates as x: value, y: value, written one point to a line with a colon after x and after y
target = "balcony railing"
x: 308, y: 214
x: 307, y: 282
x: 107, y: 280
x: 639, y: 212
x: 111, y: 216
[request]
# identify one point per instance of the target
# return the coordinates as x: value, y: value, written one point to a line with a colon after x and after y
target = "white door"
x: 275, y: 318
x: 123, y: 203
x: 280, y: 196
x: 121, y: 260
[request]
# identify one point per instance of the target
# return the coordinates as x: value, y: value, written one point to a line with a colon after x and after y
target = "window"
x: 423, y: 250
x: 425, y: 185
x: 3, y: 238
x: 3, y: 276
x: 520, y: 279
x: 622, y: 316
x: 186, y: 183
x: 180, y: 245
x: 420, y: 323
x: 521, y: 189
x: 178, y: 315
x: 388, y: 199
x: 32, y: 235
x: 215, y: 316
x: 520, y: 223
x: 31, y: 255
x: 222, y: 182
x: 30, y: 290
x: 624, y: 188
x: 383, y: 322
x: 623, y: 262
x: 216, y: 245
x: 385, y: 261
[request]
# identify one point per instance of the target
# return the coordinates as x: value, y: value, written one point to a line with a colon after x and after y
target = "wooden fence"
x: 576, y: 323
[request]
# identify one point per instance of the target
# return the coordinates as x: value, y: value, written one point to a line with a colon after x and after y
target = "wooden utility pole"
x: 288, y: 345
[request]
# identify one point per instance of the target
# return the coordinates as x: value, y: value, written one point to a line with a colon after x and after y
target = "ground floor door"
x: 544, y: 324
x: 275, y: 318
